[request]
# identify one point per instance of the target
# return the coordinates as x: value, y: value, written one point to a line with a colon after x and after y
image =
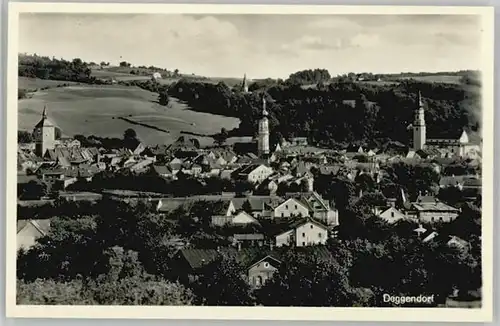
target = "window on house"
x: 311, y: 226
x: 319, y: 235
x: 303, y: 234
x: 295, y: 206
x: 258, y: 280
x: 282, y: 214
x: 432, y: 219
x: 441, y: 219
x: 286, y: 206
x: 303, y: 243
x: 392, y: 214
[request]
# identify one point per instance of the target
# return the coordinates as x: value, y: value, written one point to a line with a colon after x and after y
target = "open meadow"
x: 123, y: 74
x: 119, y: 76
x: 95, y: 110
x: 448, y: 79
x: 33, y: 84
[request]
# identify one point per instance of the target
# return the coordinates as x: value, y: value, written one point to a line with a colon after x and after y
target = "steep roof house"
x: 391, y: 215
x: 305, y: 232
x: 28, y: 231
x: 291, y: 207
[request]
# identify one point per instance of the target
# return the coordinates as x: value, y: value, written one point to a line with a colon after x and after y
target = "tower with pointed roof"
x: 419, y: 129
x: 263, y: 138
x: 244, y: 84
x: 44, y: 134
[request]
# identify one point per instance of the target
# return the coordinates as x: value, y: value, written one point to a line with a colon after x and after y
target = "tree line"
x: 35, y: 66
x: 309, y: 76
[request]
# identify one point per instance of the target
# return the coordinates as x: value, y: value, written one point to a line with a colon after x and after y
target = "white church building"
x: 458, y: 144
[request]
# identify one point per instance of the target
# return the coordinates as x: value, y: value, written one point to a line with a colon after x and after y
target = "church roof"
x: 445, y: 134
x: 44, y: 122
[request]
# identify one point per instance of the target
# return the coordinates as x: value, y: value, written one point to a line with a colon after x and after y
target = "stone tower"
x: 263, y: 140
x: 44, y: 134
x: 419, y: 130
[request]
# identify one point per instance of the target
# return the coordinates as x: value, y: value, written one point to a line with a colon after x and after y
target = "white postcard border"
x: 483, y: 314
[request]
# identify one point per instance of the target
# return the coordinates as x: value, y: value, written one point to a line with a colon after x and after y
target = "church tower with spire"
x: 419, y: 129
x: 244, y: 84
x: 44, y: 134
x: 263, y: 138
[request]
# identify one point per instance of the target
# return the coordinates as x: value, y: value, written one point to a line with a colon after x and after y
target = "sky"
x: 259, y: 45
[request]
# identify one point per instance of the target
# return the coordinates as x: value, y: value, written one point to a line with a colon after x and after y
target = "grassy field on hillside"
x: 379, y: 83
x: 449, y: 79
x: 123, y: 74
x: 119, y: 76
x: 31, y: 84
x: 94, y: 110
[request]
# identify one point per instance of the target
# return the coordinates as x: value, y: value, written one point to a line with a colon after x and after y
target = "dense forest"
x: 340, y: 113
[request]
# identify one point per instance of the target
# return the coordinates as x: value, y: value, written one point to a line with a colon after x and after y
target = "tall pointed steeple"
x: 244, y: 85
x: 44, y: 121
x: 45, y: 134
x: 264, y: 110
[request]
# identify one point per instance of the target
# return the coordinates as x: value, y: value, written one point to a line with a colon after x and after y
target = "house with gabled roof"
x: 321, y: 209
x: 303, y: 232
x: 291, y: 207
x: 241, y: 218
x: 391, y: 215
x: 28, y: 231
x: 257, y: 206
x: 262, y: 270
x: 254, y: 173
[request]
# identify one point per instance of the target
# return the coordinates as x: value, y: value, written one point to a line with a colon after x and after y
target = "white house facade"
x: 308, y: 233
x: 291, y: 208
